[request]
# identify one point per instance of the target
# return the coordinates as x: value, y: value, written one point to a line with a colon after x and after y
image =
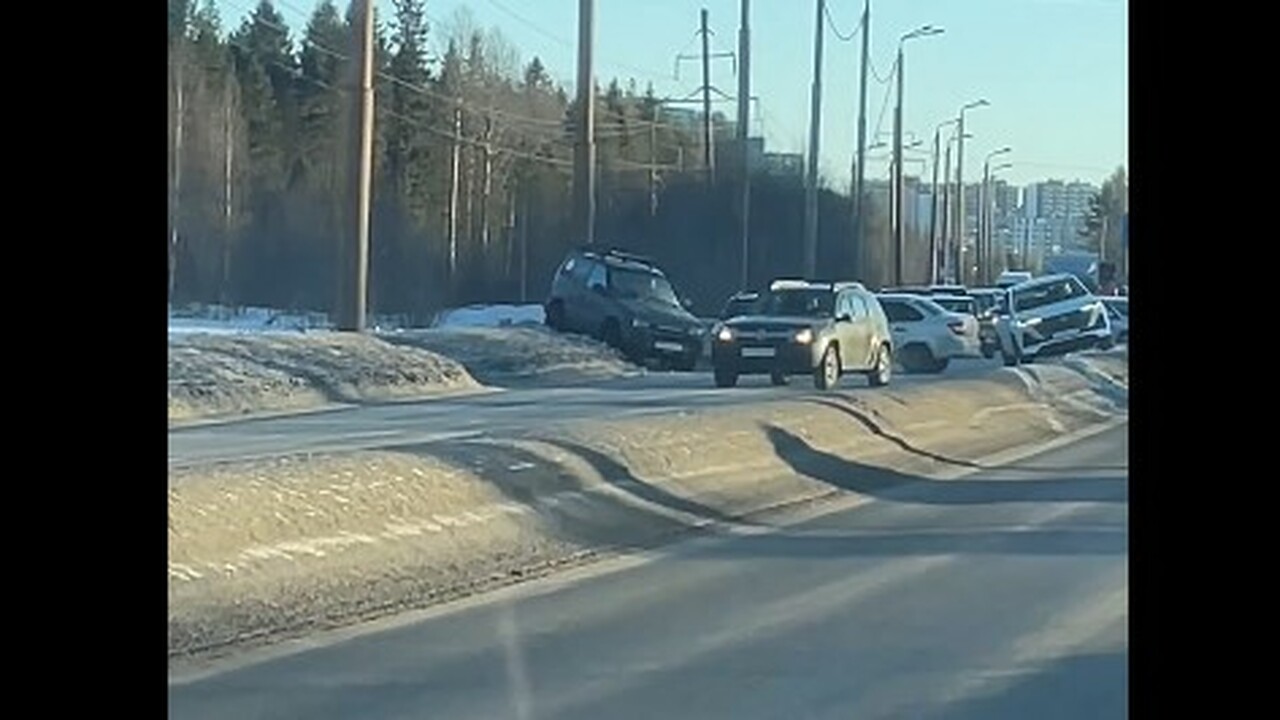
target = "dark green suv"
x: 628, y: 302
x: 806, y: 328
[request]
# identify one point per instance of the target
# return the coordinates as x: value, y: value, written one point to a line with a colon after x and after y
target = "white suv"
x: 1052, y: 315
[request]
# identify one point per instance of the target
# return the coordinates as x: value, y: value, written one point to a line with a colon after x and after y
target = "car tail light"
x: 957, y: 326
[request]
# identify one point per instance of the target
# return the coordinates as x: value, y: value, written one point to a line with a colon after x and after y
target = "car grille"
x: 1077, y: 320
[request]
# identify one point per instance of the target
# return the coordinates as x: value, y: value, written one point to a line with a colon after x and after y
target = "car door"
x: 859, y: 334
x: 594, y: 302
x: 903, y: 320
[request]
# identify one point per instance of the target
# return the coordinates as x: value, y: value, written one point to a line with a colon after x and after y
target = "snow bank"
x: 215, y: 375
x: 490, y: 316
x: 520, y: 353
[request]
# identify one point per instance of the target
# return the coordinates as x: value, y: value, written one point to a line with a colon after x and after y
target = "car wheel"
x: 917, y: 358
x: 988, y: 352
x: 688, y: 363
x: 827, y: 374
x: 939, y: 365
x: 883, y: 370
x: 778, y: 378
x: 611, y: 334
x: 555, y: 316
x: 725, y: 378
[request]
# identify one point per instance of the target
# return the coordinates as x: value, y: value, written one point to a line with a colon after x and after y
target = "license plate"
x: 668, y: 346
x: 757, y: 352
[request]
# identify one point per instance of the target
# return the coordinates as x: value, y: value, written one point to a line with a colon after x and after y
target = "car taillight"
x: 957, y: 326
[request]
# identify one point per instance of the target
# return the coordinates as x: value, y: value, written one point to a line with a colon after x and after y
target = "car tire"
x: 880, y: 375
x: 555, y: 315
x: 939, y: 365
x: 917, y: 358
x: 778, y: 379
x: 688, y: 363
x: 988, y: 352
x: 725, y: 378
x: 827, y: 374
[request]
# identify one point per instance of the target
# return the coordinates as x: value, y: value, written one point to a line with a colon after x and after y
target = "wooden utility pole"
x: 486, y: 171
x: 228, y: 149
x: 175, y: 200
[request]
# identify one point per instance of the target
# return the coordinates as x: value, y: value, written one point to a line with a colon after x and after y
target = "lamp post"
x: 925, y: 31
x: 989, y: 255
x: 984, y: 232
x: 962, y: 221
x: 934, y: 265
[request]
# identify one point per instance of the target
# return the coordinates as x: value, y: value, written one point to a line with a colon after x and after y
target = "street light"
x: 948, y: 244
x: 961, y: 220
x: 989, y: 255
x: 933, y: 205
x: 924, y: 31
x: 983, y: 245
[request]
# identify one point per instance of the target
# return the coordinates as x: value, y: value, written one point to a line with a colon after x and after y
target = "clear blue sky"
x: 1055, y: 71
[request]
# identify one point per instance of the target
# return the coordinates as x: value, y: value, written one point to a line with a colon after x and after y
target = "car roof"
x: 797, y: 284
x: 621, y: 259
x: 1047, y: 280
x: 963, y: 298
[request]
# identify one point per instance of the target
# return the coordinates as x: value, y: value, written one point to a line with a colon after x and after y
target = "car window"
x: 800, y: 302
x: 1120, y: 308
x: 596, y: 275
x: 900, y: 311
x: 626, y: 283
x: 1029, y: 298
x: 857, y: 307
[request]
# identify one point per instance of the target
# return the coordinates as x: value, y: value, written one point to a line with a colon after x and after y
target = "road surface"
x: 370, y: 426
x: 999, y: 595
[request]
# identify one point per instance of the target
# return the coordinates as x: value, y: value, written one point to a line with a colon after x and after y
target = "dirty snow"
x: 490, y: 316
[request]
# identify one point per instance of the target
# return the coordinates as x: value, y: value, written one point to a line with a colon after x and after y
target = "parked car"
x: 826, y: 330
x: 743, y: 303
x: 626, y: 301
x: 1052, y: 315
x: 1118, y: 308
x: 927, y: 336
x: 1009, y: 278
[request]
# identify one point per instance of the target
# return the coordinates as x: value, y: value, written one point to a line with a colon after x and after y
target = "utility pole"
x: 454, y: 172
x: 933, y: 210
x: 524, y: 242
x: 486, y: 170
x: 708, y: 135
x: 653, y: 160
x: 859, y: 171
x: 815, y: 136
x: 948, y: 259
x: 744, y: 119
x: 584, y: 156
x: 175, y: 199
x: 356, y: 315
x: 227, y: 151
x: 897, y: 176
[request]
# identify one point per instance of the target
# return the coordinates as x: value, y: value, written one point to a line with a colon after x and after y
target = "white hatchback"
x: 927, y: 336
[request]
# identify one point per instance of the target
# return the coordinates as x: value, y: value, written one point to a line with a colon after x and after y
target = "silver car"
x: 1052, y: 315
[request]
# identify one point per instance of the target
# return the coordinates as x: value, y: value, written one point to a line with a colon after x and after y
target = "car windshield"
x: 960, y: 305
x: 799, y: 302
x: 1029, y: 298
x: 632, y: 284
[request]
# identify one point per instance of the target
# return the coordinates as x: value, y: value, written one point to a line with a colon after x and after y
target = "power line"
x: 832, y: 24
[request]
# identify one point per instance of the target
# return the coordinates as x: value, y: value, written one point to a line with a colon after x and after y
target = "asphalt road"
x: 1002, y: 594
x: 370, y: 426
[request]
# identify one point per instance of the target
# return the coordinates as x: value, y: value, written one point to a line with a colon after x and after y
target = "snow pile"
x: 510, y: 354
x: 213, y: 375
x: 490, y: 316
x: 211, y: 319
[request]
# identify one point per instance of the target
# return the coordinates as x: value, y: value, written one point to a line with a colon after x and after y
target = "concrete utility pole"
x: 176, y: 185
x: 486, y: 182
x: 454, y: 178
x: 815, y: 137
x: 357, y: 310
x: 860, y: 164
x: 948, y: 260
x: 653, y: 160
x: 708, y: 130
x: 961, y: 219
x: 898, y: 233
x: 744, y: 119
x: 584, y: 155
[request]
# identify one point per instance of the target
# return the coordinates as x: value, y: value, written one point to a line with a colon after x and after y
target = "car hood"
x: 773, y: 322
x: 657, y: 312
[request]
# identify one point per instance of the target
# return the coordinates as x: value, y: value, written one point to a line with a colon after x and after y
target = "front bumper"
x: 663, y: 343
x: 1062, y: 344
x: 787, y: 358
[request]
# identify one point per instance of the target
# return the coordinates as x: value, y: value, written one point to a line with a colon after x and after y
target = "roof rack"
x: 792, y: 283
x: 848, y: 285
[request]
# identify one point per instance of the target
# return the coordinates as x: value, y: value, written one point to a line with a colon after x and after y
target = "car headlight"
x: 1029, y: 322
x: 638, y: 323
x: 805, y: 336
x: 725, y: 334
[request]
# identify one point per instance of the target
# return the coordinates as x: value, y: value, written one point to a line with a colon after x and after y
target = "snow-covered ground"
x: 226, y: 362
x: 490, y: 316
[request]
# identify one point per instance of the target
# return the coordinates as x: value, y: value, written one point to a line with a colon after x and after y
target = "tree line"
x: 472, y: 171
